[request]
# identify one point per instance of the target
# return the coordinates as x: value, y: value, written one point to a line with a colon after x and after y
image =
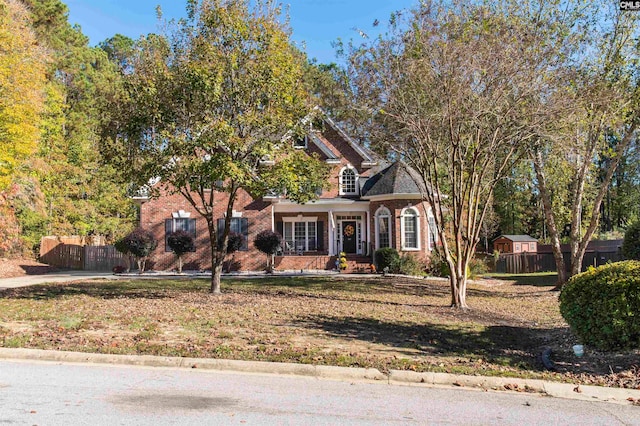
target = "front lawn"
x: 387, y: 323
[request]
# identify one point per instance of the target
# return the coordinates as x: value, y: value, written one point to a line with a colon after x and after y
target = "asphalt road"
x: 44, y: 393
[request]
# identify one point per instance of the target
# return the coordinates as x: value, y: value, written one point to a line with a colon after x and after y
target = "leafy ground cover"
x: 387, y: 323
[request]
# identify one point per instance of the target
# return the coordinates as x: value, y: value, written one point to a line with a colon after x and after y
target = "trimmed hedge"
x: 386, y: 257
x: 631, y: 242
x: 602, y: 306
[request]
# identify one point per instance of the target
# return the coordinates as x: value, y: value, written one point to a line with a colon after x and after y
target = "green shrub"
x: 631, y: 242
x: 439, y: 267
x: 386, y: 257
x: 408, y: 265
x: 476, y: 268
x: 602, y: 305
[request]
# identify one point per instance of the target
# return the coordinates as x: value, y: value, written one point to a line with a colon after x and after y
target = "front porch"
x: 324, y: 228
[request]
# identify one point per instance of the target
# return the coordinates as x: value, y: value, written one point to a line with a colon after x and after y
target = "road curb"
x: 307, y: 370
x: 555, y: 389
x: 395, y: 377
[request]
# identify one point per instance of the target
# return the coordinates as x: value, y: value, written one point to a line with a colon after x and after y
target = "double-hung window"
x: 383, y: 228
x: 410, y: 229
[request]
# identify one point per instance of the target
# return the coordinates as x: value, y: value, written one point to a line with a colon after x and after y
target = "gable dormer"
x: 333, y: 145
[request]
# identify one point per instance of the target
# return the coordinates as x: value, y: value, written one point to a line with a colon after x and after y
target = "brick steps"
x: 355, y: 263
x: 358, y: 264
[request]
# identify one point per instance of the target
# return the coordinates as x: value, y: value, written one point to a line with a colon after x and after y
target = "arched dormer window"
x: 348, y: 181
x: 383, y: 227
x: 410, y: 229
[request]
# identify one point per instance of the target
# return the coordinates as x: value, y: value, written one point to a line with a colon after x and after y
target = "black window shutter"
x: 244, y: 230
x: 280, y: 228
x: 168, y: 229
x: 220, y: 231
x: 320, y: 235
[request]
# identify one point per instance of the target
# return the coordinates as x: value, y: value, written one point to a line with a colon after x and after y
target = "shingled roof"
x: 518, y: 238
x: 397, y: 178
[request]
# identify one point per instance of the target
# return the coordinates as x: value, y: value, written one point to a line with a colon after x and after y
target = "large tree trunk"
x: 549, y: 217
x: 216, y: 275
x: 458, y: 283
x: 217, y: 258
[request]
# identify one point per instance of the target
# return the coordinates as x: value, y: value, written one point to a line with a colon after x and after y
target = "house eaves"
x: 322, y: 147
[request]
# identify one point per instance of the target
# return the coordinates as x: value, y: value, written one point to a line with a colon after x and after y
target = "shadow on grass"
x: 350, y: 284
x: 505, y: 345
x: 134, y: 289
x: 541, y: 279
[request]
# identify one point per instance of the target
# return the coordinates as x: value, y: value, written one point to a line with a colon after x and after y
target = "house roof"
x: 394, y: 178
x: 518, y: 238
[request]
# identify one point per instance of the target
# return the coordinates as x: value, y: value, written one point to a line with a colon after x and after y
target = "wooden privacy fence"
x: 523, y: 263
x: 58, y: 252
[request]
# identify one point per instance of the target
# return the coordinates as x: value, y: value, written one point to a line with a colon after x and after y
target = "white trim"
x: 367, y: 223
x: 383, y: 211
x: 403, y: 214
x: 331, y: 231
x: 360, y: 250
x: 337, y: 205
x: 181, y: 214
x: 273, y: 219
x: 398, y: 196
x: 300, y: 218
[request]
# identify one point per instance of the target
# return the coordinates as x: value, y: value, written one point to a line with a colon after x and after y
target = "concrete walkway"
x: 69, y: 276
x: 53, y: 277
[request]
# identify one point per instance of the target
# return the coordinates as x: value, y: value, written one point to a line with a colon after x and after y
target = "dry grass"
x: 387, y: 323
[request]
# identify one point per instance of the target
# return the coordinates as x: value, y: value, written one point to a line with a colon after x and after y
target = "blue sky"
x: 317, y: 23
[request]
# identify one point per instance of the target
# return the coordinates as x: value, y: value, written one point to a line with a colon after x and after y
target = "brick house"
x: 370, y: 204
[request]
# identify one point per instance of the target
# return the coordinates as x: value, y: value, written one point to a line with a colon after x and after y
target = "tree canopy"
x: 204, y: 105
x: 22, y: 83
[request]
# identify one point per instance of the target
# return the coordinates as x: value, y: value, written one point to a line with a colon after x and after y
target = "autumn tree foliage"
x: 445, y: 91
x: 202, y: 107
x: 592, y: 110
x: 22, y: 94
x: 81, y: 192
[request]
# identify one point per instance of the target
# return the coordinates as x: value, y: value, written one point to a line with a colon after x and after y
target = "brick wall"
x: 396, y: 207
x: 153, y: 214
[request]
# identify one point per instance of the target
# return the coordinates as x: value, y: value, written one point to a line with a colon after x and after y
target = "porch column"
x: 331, y: 230
x: 368, y: 228
x: 273, y: 218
